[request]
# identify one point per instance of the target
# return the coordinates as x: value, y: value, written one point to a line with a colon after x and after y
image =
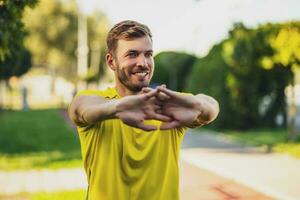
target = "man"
x: 130, y: 135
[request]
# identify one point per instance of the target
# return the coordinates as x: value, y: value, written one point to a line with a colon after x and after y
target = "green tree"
x: 246, y: 80
x: 253, y: 66
x: 264, y: 57
x: 14, y: 58
x: 16, y: 64
x: 208, y: 76
x: 286, y: 45
x: 53, y: 36
x: 172, y: 68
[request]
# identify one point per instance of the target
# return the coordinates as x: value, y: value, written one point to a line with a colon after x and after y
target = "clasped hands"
x: 172, y: 108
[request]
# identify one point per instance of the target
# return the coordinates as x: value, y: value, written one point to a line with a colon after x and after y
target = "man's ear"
x: 110, y: 61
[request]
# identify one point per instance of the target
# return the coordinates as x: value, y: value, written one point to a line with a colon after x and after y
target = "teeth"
x: 141, y: 73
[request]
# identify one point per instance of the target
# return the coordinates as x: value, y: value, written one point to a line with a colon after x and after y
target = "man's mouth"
x: 140, y: 74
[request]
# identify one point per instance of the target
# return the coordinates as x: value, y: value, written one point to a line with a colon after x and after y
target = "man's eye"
x: 132, y: 54
x: 149, y: 54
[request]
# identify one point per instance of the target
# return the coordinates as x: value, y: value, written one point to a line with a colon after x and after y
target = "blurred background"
x: 246, y: 54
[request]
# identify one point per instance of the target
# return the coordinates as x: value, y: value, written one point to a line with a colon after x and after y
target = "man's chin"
x: 137, y: 88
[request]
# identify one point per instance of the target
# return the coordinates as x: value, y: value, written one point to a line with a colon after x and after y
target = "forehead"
x: 138, y: 44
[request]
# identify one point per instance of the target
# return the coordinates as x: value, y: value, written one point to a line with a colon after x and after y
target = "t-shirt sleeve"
x: 88, y: 92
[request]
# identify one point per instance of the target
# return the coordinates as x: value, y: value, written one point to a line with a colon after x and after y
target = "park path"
x: 195, y: 183
x: 276, y: 175
x: 42, y: 180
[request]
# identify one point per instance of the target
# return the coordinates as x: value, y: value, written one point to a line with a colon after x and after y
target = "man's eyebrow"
x: 149, y: 51
x: 131, y: 50
x: 137, y: 51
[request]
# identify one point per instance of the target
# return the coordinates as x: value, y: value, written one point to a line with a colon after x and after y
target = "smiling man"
x: 130, y: 135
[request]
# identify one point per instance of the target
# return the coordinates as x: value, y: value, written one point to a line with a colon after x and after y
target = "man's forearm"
x: 209, y: 108
x: 91, y: 114
x: 87, y: 110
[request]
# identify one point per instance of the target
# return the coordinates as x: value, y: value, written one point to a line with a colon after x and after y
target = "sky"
x: 194, y: 26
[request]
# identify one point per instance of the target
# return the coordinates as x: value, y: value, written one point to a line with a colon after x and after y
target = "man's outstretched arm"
x: 132, y: 110
x: 188, y: 110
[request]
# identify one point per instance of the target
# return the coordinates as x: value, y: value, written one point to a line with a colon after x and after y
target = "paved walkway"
x: 200, y: 184
x: 195, y: 183
x: 41, y: 180
x: 276, y: 175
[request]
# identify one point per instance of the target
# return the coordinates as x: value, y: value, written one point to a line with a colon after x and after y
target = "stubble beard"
x: 125, y: 80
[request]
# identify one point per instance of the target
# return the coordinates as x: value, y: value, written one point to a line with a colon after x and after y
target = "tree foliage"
x: 252, y: 69
x: 16, y: 64
x: 172, y: 68
x: 14, y: 58
x: 53, y: 26
x: 208, y: 76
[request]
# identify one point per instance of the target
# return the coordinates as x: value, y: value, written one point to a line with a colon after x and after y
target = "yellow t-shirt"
x: 126, y: 163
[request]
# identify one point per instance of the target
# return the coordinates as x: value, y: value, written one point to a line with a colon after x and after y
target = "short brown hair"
x: 127, y: 29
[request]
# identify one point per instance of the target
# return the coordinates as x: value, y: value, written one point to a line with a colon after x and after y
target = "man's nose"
x: 142, y: 61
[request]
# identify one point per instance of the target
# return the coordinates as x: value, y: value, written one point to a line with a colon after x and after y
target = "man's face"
x: 134, y: 63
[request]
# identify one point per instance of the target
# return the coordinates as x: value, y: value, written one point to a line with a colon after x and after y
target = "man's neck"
x: 123, y: 91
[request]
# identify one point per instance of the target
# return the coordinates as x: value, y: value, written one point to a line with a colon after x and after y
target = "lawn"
x: 37, y: 139
x: 275, y: 140
x: 258, y: 137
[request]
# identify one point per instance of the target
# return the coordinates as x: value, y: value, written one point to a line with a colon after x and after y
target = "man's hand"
x: 183, y: 109
x: 133, y: 110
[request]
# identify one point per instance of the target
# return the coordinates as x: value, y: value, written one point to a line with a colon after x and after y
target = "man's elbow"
x: 212, y: 112
x: 74, y: 111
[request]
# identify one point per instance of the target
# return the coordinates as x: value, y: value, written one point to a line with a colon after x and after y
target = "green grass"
x: 259, y: 137
x: 273, y: 139
x: 37, y: 139
x: 63, y: 195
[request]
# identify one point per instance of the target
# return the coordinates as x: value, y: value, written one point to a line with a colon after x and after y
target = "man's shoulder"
x: 109, y: 92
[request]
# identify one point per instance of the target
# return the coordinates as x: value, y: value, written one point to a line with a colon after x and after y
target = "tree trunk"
x: 292, y: 113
